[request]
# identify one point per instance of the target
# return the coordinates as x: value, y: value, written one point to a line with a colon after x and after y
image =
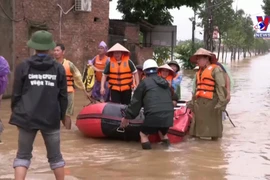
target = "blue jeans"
x: 25, y: 147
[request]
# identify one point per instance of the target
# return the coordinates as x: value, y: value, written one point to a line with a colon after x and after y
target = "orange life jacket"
x: 69, y: 76
x: 169, y: 79
x: 205, y: 82
x: 100, y: 64
x: 120, y: 77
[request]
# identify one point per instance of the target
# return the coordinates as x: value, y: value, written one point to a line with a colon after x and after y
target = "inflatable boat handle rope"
x: 120, y: 129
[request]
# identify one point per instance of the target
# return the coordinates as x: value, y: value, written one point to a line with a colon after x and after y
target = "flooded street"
x: 242, y: 154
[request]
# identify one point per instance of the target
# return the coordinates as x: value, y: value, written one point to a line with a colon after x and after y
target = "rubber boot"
x: 165, y: 142
x: 146, y: 146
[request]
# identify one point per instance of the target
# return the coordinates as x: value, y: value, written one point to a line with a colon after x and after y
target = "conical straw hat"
x: 203, y: 52
x: 117, y: 47
x: 166, y: 66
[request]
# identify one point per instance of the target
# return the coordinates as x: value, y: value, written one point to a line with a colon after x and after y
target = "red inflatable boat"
x: 102, y: 120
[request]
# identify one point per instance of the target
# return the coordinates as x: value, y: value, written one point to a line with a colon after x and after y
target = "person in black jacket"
x: 39, y: 102
x: 155, y: 96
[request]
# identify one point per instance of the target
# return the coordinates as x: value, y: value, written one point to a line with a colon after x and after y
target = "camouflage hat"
x: 41, y: 40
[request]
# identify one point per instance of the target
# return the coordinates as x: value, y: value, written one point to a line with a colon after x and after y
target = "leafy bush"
x: 185, y: 51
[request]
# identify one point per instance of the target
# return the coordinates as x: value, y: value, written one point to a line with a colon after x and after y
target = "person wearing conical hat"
x: 176, y: 83
x: 99, y: 63
x: 120, y: 71
x: 166, y: 72
x: 209, y: 98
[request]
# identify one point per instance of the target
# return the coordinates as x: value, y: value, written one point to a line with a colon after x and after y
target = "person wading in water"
x: 209, y: 98
x: 155, y: 96
x: 39, y: 103
x: 99, y: 63
x: 120, y: 71
x: 74, y: 78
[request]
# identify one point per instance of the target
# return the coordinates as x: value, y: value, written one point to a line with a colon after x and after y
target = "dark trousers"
x: 121, y: 97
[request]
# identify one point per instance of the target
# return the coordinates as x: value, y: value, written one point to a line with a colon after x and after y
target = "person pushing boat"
x: 155, y: 96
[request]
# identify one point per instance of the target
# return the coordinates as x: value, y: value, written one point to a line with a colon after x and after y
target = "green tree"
x: 154, y: 11
x: 222, y: 17
x: 266, y: 7
x: 161, y: 55
x: 184, y: 51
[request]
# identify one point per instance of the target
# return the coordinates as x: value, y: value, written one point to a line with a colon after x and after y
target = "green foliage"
x: 184, y: 51
x: 222, y: 13
x: 161, y: 55
x: 235, y: 27
x: 154, y: 11
x: 266, y: 7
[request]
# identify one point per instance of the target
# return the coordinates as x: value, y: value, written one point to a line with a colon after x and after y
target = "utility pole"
x: 209, y: 30
x: 193, y: 30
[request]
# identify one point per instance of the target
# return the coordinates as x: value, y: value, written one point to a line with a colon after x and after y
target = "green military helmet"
x: 41, y: 40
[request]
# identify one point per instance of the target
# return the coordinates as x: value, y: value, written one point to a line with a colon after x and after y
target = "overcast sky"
x: 181, y: 17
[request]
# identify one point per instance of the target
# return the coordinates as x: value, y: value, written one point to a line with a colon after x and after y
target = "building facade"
x: 79, y: 31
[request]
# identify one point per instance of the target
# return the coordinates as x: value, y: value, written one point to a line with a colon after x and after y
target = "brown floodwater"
x: 242, y: 154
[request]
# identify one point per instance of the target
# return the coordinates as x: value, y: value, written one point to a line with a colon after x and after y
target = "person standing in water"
x: 74, y: 78
x: 155, y: 96
x: 4, y: 71
x: 39, y: 103
x: 99, y: 63
x: 120, y: 71
x: 209, y: 98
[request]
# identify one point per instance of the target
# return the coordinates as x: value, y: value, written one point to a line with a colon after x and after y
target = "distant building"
x: 80, y: 31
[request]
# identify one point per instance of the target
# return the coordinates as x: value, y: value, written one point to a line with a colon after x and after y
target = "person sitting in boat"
x: 120, y: 71
x: 209, y: 99
x: 176, y: 83
x: 99, y: 63
x: 168, y: 73
x: 4, y: 71
x: 154, y: 95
